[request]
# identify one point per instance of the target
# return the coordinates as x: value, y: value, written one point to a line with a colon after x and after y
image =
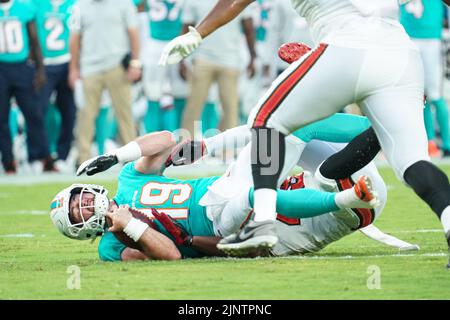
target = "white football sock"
x: 265, y: 204
x: 348, y: 199
x: 445, y: 219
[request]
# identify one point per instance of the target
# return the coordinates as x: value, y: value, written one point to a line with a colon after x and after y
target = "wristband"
x: 135, y: 63
x: 129, y: 152
x: 135, y: 228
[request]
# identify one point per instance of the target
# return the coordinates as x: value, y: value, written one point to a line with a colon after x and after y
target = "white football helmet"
x: 89, y: 229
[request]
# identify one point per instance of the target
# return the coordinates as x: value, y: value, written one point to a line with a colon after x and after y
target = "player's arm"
x: 36, y: 53
x: 154, y: 244
x: 447, y: 2
x: 250, y: 37
x: 135, y: 67
x: 74, y: 65
x: 150, y: 151
x: 189, y: 151
x: 203, y: 244
x: 182, y: 46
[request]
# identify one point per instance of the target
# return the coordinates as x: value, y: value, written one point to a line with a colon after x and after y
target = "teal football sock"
x: 442, y: 119
x: 101, y: 129
x: 179, y: 104
x: 303, y: 203
x: 152, y: 117
x: 210, y: 117
x: 429, y: 123
x: 53, y: 127
x: 336, y: 128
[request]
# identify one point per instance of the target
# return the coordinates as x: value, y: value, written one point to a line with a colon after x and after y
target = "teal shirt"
x: 14, y: 40
x: 178, y: 198
x: 52, y: 19
x: 165, y: 19
x: 423, y: 19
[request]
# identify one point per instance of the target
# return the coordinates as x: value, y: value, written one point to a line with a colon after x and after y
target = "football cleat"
x: 364, y: 191
x: 292, y: 51
x: 255, y: 238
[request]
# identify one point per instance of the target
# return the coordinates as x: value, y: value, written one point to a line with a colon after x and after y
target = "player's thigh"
x: 316, y: 86
x: 241, y: 171
x: 397, y: 118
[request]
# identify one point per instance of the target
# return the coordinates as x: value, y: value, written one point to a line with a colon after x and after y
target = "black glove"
x: 97, y: 164
x: 186, y: 152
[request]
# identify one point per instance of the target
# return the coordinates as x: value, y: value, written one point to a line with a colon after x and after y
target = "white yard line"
x: 31, y: 212
x: 348, y: 257
x: 17, y: 235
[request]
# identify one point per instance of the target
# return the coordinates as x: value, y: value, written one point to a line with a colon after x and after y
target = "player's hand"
x: 186, y: 152
x: 134, y: 74
x: 180, y: 47
x: 74, y: 76
x: 97, y: 164
x: 251, y: 70
x: 119, y: 218
x: 176, y: 230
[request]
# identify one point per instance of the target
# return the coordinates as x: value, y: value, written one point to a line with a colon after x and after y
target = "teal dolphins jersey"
x: 52, y: 18
x: 177, y: 198
x: 423, y: 19
x: 14, y: 39
x: 165, y: 19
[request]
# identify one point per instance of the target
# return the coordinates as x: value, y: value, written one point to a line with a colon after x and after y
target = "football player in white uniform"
x: 361, y: 56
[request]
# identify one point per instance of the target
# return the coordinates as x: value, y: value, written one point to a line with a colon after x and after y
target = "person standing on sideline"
x: 104, y: 48
x: 218, y: 60
x: 53, y: 30
x: 22, y: 78
x: 424, y: 21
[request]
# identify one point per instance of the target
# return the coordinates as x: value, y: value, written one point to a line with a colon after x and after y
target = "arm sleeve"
x: 233, y: 138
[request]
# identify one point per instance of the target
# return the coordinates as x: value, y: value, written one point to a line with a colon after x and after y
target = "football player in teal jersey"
x: 423, y: 21
x: 22, y: 75
x: 141, y: 185
x: 52, y: 21
x: 165, y: 90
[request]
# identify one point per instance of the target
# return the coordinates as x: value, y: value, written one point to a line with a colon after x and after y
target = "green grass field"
x: 36, y: 264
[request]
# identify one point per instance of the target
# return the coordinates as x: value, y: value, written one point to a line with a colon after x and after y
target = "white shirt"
x: 351, y: 23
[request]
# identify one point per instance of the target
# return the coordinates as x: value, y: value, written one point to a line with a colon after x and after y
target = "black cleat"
x: 255, y: 239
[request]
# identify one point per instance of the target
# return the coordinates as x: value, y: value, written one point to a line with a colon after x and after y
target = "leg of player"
x: 267, y: 159
x: 405, y: 146
x: 284, y: 108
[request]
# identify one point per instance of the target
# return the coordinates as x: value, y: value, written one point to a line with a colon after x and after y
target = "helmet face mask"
x: 84, y: 229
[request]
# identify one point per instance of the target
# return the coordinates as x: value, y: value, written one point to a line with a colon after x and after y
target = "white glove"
x: 180, y: 47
